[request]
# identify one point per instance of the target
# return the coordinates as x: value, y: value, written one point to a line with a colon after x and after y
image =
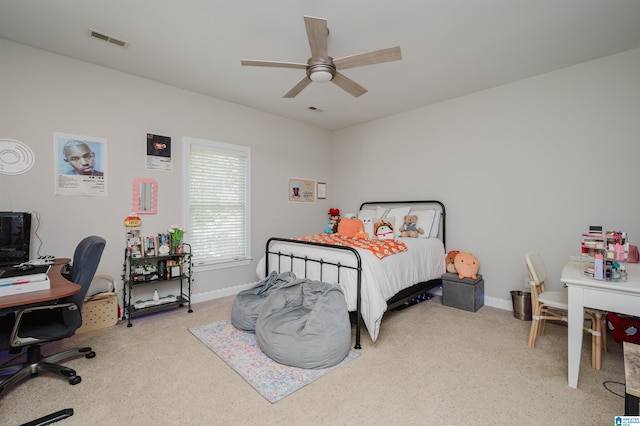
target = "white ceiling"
x: 450, y: 47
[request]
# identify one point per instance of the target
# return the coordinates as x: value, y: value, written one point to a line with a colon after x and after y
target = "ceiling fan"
x: 321, y: 67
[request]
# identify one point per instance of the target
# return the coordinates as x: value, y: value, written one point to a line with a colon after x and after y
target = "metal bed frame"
x: 394, y: 302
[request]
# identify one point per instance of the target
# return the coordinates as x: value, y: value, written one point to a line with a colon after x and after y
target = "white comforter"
x: 424, y: 260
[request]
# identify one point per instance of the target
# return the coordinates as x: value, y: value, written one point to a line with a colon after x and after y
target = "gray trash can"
x: 521, y: 305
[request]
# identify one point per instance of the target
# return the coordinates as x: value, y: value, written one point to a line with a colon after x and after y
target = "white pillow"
x: 366, y: 214
x: 425, y: 221
x: 435, y: 228
x: 380, y: 211
x: 398, y: 213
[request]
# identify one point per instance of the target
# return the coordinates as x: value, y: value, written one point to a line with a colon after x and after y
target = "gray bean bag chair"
x: 247, y: 304
x: 305, y: 324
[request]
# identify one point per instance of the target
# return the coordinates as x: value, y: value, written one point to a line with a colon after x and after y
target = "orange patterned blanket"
x: 379, y: 248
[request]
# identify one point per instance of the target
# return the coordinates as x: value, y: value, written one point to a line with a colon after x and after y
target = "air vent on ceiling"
x: 105, y: 37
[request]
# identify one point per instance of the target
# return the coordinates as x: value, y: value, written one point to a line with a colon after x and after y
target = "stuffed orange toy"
x: 352, y: 227
x: 450, y: 261
x: 467, y: 265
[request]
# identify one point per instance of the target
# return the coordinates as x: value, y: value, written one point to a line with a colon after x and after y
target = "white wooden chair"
x: 553, y: 305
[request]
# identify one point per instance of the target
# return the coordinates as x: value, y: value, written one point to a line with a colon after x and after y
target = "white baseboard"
x: 220, y: 293
x: 507, y: 305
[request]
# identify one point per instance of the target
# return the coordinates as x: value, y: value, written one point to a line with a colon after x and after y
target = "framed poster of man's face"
x: 302, y: 190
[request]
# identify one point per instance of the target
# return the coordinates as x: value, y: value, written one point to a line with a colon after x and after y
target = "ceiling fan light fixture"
x: 321, y: 76
x: 320, y: 71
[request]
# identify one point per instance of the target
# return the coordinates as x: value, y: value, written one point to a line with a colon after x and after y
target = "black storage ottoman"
x: 465, y: 293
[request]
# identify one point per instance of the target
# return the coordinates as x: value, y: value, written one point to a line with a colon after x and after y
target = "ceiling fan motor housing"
x: 321, y: 70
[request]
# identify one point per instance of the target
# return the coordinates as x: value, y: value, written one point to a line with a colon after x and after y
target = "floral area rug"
x: 241, y: 352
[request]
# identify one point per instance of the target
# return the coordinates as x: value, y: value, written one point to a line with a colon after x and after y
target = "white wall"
x: 525, y: 166
x: 42, y: 93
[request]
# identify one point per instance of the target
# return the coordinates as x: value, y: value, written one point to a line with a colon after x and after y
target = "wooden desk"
x: 60, y: 287
x: 621, y: 297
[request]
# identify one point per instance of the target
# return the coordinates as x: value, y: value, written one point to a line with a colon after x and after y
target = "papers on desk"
x: 18, y: 284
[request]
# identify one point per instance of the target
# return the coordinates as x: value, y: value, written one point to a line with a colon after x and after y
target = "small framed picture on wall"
x: 322, y: 190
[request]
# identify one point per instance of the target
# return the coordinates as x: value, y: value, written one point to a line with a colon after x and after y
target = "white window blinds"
x: 218, y: 208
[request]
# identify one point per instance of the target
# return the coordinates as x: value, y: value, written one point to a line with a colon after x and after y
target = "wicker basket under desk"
x: 100, y: 310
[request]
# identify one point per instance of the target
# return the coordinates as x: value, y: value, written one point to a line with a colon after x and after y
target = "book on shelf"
x: 134, y: 242
x: 150, y: 248
x: 164, y: 244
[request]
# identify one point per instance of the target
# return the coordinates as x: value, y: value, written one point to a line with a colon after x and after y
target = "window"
x: 217, y: 208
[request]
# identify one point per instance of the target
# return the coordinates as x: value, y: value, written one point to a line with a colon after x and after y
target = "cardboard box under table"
x: 465, y: 293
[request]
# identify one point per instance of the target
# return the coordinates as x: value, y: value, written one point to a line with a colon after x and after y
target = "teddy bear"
x: 467, y: 265
x: 410, y: 227
x: 450, y: 261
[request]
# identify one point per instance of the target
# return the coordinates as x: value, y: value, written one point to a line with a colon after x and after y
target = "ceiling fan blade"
x: 297, y: 88
x: 275, y: 64
x: 348, y: 85
x: 369, y: 58
x: 317, y: 33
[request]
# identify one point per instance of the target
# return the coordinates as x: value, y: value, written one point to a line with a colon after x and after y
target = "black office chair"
x: 47, y: 323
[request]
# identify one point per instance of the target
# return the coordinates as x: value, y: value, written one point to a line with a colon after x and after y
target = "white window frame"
x: 186, y: 203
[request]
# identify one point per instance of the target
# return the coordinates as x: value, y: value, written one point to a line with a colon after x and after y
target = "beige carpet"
x: 432, y: 365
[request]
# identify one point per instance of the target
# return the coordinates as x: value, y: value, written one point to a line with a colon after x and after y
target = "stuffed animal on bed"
x: 467, y: 265
x: 334, y: 219
x: 449, y: 261
x: 329, y: 228
x: 352, y: 227
x: 410, y: 227
x: 383, y: 229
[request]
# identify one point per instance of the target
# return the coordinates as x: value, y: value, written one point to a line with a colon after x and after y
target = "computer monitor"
x: 15, y: 237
